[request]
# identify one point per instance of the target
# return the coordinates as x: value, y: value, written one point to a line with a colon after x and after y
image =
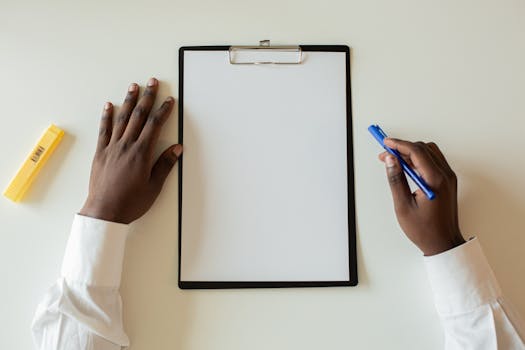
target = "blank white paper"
x: 264, y: 186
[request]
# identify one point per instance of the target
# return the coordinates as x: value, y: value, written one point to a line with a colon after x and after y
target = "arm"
x: 469, y: 301
x: 468, y: 298
x: 83, y: 310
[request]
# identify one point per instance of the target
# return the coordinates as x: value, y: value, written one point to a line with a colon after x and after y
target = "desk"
x: 446, y: 71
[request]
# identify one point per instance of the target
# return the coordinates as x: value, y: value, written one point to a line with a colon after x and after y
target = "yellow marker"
x: 34, y: 162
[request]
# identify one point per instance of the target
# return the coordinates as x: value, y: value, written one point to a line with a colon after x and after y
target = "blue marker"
x: 380, y: 135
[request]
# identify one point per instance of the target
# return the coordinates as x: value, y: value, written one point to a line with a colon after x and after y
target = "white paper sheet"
x: 265, y: 194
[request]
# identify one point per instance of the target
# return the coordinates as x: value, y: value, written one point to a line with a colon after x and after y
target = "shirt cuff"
x: 95, y: 252
x: 461, y: 279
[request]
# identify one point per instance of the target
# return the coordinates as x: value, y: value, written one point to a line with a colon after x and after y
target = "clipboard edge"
x: 263, y: 285
x: 352, y: 227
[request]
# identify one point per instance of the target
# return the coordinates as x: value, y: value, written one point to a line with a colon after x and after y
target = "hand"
x: 432, y: 225
x: 125, y: 180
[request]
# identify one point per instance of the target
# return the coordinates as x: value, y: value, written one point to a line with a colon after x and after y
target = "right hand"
x: 432, y: 225
x: 125, y: 177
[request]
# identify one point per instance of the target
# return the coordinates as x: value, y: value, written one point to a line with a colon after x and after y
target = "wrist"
x: 101, y: 210
x: 443, y: 245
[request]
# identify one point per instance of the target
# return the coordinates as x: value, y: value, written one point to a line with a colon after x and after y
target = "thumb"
x: 398, y: 183
x: 164, y: 164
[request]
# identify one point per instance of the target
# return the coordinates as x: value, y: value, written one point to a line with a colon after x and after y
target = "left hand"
x: 125, y: 179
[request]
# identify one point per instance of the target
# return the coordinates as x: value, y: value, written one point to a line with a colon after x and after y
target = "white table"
x: 448, y: 71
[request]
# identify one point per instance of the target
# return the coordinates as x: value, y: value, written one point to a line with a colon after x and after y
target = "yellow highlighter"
x: 34, y: 163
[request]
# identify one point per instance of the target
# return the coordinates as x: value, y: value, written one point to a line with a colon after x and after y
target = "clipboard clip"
x: 266, y: 54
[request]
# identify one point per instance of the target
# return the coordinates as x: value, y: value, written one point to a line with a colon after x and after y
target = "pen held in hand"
x: 380, y: 136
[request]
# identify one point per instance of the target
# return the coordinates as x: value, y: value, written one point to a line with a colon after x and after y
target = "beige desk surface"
x: 449, y: 71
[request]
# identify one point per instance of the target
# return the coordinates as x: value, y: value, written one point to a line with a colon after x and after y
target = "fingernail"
x: 177, y: 150
x: 389, y: 161
x: 152, y: 82
x: 133, y: 87
x: 107, y: 106
x: 170, y: 99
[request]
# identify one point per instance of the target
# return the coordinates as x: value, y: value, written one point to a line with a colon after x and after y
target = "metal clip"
x: 296, y: 53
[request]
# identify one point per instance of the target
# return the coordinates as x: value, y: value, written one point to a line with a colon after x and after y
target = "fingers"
x: 420, y: 156
x: 134, y: 120
x: 150, y: 133
x: 398, y: 184
x: 436, y: 153
x: 141, y: 111
x: 106, y: 126
x: 125, y: 111
x: 439, y: 155
x: 164, y: 164
x: 382, y: 156
x: 407, y: 160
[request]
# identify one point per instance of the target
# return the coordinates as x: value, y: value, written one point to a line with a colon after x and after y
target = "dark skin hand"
x: 432, y: 225
x: 125, y: 178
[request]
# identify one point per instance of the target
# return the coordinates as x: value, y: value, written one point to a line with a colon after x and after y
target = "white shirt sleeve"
x: 469, y: 301
x: 83, y: 310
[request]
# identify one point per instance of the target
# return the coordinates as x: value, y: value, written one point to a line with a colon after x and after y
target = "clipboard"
x: 266, y: 181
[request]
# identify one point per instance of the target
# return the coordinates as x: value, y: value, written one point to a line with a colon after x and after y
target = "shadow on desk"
x: 156, y: 311
x: 489, y: 210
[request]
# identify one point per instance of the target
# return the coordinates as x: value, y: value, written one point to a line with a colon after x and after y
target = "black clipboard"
x: 352, y: 255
